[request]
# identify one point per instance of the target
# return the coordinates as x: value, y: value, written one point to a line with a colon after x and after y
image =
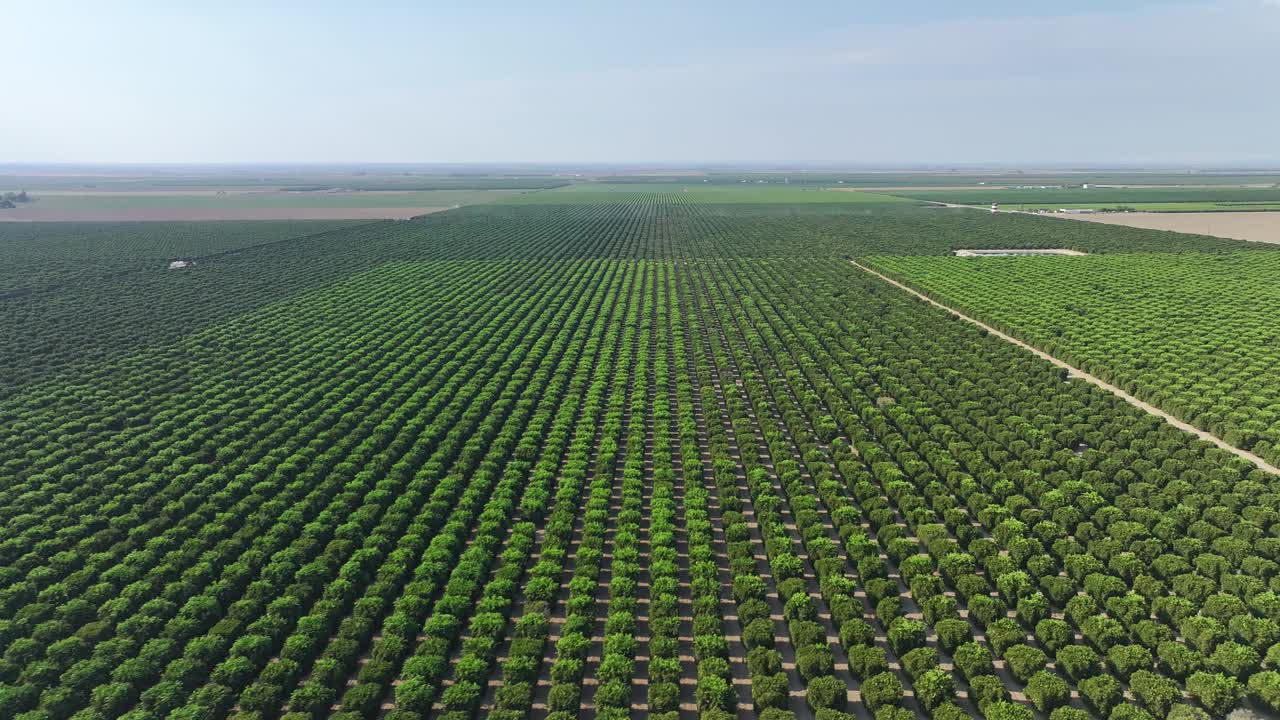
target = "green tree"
x: 972, y: 660
x: 906, y: 634
x: 1102, y: 692
x: 917, y: 661
x: 856, y: 631
x: 1232, y: 658
x: 770, y: 690
x: 1005, y: 710
x: 933, y: 688
x: 1024, y: 661
x: 1047, y: 691
x: 986, y: 690
x: 814, y: 661
x: 1265, y: 686
x: 952, y: 634
x: 1216, y: 692
x: 713, y: 692
x: 1077, y: 661
x: 1004, y: 634
x: 1129, y: 712
x: 1187, y: 712
x: 881, y: 690
x: 412, y: 695
x: 1158, y: 693
x: 867, y: 660
x: 1126, y: 659
x: 826, y: 692
x: 1053, y: 634
x: 1178, y: 660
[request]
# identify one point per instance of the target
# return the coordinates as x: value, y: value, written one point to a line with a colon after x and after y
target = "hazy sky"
x: 676, y: 81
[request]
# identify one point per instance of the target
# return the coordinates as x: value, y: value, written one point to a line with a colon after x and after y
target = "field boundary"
x: 1106, y: 218
x: 1077, y: 372
x: 151, y: 269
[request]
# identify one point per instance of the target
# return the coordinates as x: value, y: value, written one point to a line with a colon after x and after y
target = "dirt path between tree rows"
x: 1076, y: 372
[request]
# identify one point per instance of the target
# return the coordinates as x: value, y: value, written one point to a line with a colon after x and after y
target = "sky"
x: 680, y: 82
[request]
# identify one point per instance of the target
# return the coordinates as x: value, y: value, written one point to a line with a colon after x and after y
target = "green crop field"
x: 40, y: 255
x: 633, y: 452
x: 1191, y: 334
x: 698, y: 192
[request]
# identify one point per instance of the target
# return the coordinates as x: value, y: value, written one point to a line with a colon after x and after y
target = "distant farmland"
x: 1254, y: 225
x: 1098, y: 196
x: 697, y: 192
x: 172, y: 205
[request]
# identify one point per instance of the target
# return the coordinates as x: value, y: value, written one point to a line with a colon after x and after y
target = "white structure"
x: 1011, y: 252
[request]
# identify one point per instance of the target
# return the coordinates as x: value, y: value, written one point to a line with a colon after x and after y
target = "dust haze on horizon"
x: 1118, y: 83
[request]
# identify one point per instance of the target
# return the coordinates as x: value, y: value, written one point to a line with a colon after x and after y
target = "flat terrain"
x: 1255, y: 226
x: 899, y: 188
x: 1154, y: 207
x: 39, y: 179
x: 65, y: 255
x: 191, y: 214
x: 200, y: 205
x: 1008, y: 252
x: 1099, y: 196
x: 1190, y: 333
x: 638, y: 452
x: 1078, y: 373
x: 696, y: 192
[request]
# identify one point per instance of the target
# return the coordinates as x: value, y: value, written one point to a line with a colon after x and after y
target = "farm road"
x: 1083, y: 375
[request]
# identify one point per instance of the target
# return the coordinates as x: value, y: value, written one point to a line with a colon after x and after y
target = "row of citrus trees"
x: 216, y: 558
x: 76, y: 295
x: 1145, y: 564
x: 431, y: 490
x: 40, y: 255
x: 472, y: 518
x: 1193, y: 334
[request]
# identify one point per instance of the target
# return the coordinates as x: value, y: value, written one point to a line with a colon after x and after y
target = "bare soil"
x: 1255, y: 226
x: 35, y: 213
x: 117, y: 192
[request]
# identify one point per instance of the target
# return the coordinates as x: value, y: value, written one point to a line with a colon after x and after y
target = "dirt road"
x: 1245, y: 454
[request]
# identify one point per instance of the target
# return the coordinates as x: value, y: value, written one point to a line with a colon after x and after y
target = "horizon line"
x: 921, y: 166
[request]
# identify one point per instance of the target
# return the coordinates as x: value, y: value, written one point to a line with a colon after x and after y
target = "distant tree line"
x: 10, y: 199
